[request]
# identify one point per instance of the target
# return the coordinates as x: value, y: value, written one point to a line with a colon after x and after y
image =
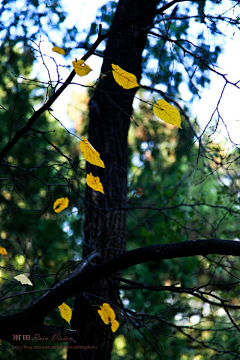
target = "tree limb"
x: 79, y: 280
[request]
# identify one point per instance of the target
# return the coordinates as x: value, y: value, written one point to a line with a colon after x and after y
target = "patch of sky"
x: 75, y: 212
x: 144, y: 146
x: 67, y: 229
x: 136, y: 161
x: 195, y: 319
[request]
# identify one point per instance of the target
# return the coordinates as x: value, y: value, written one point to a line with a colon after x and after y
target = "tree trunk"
x: 105, y: 229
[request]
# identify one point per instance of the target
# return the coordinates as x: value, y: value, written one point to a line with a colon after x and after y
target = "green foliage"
x: 191, y: 201
x: 33, y: 175
x: 163, y: 164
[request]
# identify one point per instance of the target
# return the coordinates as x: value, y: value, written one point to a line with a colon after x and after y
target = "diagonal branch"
x: 12, y: 142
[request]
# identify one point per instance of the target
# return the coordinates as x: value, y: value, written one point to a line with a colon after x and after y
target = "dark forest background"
x: 163, y: 185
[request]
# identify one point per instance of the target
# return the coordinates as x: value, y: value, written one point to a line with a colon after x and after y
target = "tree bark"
x: 105, y: 230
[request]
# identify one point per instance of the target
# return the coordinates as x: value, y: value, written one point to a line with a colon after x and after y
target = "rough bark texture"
x: 105, y: 231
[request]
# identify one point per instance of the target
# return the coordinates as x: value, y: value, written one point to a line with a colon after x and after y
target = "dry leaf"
x: 24, y: 280
x: 3, y: 251
x: 167, y: 113
x: 124, y: 78
x: 66, y: 312
x: 81, y: 68
x: 90, y: 154
x: 60, y: 204
x: 94, y: 183
x: 58, y: 50
x: 139, y: 191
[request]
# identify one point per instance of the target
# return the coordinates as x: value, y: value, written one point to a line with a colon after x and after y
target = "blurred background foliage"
x: 195, y: 196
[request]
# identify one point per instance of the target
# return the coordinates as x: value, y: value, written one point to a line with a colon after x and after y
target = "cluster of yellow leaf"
x: 58, y: 50
x: 66, y: 312
x: 162, y: 108
x: 93, y: 157
x: 60, y: 204
x: 23, y: 279
x: 80, y: 67
x: 3, y: 251
x: 108, y: 316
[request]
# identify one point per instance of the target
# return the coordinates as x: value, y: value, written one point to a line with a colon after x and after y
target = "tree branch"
x: 54, y: 97
x: 79, y: 280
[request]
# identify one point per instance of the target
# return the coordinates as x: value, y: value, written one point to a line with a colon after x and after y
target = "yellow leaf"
x: 90, y: 154
x: 94, y: 183
x: 104, y: 315
x: 58, y: 50
x: 60, y: 204
x: 3, y: 251
x: 108, y: 315
x: 66, y: 312
x: 23, y: 279
x: 167, y: 113
x: 81, y: 68
x: 124, y: 78
x: 114, y: 325
x: 109, y: 311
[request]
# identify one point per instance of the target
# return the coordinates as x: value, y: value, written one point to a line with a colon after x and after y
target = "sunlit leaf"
x: 108, y: 315
x: 60, y: 204
x: 94, y: 183
x: 167, y: 113
x: 81, y: 68
x: 66, y: 312
x: 58, y: 50
x: 3, y: 251
x: 90, y: 154
x: 124, y: 78
x: 24, y: 280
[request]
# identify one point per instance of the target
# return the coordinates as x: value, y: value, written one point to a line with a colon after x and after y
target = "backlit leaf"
x: 3, y: 251
x: 60, y: 204
x: 167, y: 113
x: 104, y: 315
x: 114, y: 325
x: 24, y: 280
x: 94, y: 183
x: 124, y: 78
x: 66, y: 312
x: 108, y: 315
x: 58, y: 50
x: 90, y: 154
x: 81, y: 68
